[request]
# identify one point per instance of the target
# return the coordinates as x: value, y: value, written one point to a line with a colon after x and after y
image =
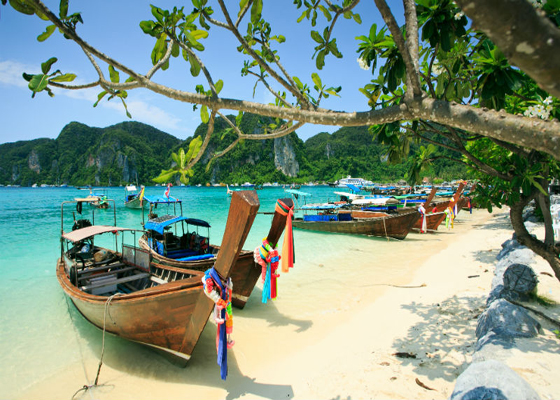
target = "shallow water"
x: 42, y: 334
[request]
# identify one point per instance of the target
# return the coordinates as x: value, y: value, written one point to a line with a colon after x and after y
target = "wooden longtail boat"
x: 433, y: 219
x: 442, y: 205
x: 134, y: 198
x: 171, y: 243
x: 396, y: 225
x: 165, y: 308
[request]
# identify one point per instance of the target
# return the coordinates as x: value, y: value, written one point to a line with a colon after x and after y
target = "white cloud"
x: 11, y: 73
x: 147, y: 113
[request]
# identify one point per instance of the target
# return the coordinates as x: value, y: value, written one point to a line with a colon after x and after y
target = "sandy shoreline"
x: 334, y: 336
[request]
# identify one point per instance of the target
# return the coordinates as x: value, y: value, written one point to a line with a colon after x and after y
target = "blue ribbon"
x: 222, y: 343
x: 266, y: 285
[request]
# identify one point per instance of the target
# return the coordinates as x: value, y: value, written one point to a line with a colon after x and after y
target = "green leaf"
x: 195, y: 66
x: 317, y: 37
x: 114, y: 74
x: 204, y: 116
x: 63, y: 78
x: 193, y: 42
x: 38, y: 83
x: 159, y: 49
x: 316, y: 80
x: 99, y: 97
x: 194, y: 148
x: 320, y: 61
x: 242, y: 5
x: 256, y: 11
x: 199, y: 34
x: 63, y: 8
x: 46, y: 66
x: 22, y: 7
x: 164, y: 176
x: 219, y: 86
x: 48, y: 32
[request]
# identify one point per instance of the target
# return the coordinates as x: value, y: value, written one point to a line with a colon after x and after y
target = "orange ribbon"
x: 288, y: 254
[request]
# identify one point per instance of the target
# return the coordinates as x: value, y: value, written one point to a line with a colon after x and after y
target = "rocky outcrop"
x: 33, y: 162
x: 285, y: 157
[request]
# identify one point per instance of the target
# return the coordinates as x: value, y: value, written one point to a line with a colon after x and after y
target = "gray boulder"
x: 508, y: 320
x: 492, y: 380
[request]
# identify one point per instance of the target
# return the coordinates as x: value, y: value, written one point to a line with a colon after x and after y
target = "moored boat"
x: 165, y: 308
x: 182, y: 242
x: 134, y: 198
x: 330, y: 218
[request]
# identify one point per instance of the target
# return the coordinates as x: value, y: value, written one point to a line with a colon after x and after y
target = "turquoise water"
x: 43, y: 335
x: 37, y: 321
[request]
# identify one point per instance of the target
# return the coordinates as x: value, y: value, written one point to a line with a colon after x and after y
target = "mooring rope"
x: 385, y: 227
x: 105, y: 312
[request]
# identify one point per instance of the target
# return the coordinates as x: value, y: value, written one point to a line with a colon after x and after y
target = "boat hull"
x: 136, y: 203
x: 396, y: 226
x: 163, y: 317
x: 433, y: 221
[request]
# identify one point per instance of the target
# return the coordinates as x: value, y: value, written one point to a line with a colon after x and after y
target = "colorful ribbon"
x: 221, y: 294
x: 288, y: 253
x: 422, y: 212
x: 268, y: 258
x: 449, y: 217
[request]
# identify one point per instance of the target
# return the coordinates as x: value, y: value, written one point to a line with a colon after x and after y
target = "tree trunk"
x: 548, y: 252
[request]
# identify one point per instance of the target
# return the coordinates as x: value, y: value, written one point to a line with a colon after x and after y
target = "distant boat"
x: 134, y: 198
x: 333, y: 218
x: 358, y: 182
x: 97, y: 199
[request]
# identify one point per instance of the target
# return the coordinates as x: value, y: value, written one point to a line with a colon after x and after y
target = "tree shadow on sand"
x: 446, y: 337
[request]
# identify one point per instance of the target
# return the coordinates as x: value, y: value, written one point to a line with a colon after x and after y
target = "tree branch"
x: 399, y: 40
x: 526, y: 37
x: 295, y: 92
x: 412, y: 45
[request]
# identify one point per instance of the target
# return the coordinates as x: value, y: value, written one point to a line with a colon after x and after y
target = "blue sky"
x: 113, y: 27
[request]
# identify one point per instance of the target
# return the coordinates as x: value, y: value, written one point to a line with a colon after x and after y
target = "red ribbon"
x: 288, y: 254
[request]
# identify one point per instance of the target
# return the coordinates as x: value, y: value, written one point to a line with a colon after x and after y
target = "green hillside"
x: 132, y: 152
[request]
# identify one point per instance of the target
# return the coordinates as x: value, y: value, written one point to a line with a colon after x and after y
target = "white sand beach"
x: 364, y: 324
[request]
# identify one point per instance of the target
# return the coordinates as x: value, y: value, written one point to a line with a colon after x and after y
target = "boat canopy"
x: 89, y: 231
x: 159, y: 224
x: 161, y: 199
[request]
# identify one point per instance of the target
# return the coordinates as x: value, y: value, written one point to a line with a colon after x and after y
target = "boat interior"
x: 98, y: 271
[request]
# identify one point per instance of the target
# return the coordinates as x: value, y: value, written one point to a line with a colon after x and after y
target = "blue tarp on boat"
x: 354, y: 188
x: 160, y: 223
x: 161, y: 199
x: 325, y: 206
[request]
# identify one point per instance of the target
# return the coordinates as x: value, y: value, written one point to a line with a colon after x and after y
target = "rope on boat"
x: 85, y: 388
x: 385, y: 227
x: 107, y: 303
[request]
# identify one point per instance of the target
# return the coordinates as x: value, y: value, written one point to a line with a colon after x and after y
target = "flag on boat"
x: 141, y: 196
x: 167, y: 191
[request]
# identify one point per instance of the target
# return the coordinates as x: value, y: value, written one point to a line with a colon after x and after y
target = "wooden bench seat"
x: 100, y: 268
x: 116, y: 281
x: 106, y: 273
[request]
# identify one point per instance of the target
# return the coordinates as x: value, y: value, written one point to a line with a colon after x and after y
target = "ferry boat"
x: 359, y: 182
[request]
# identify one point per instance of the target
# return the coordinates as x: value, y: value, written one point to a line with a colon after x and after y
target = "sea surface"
x: 41, y: 332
